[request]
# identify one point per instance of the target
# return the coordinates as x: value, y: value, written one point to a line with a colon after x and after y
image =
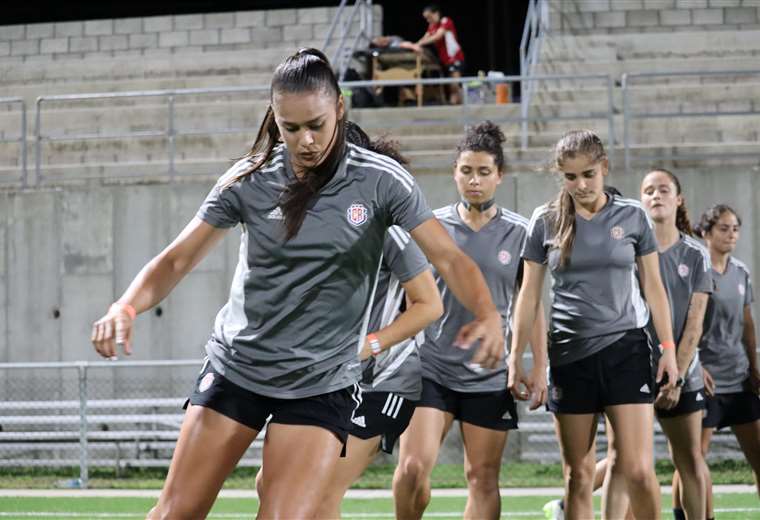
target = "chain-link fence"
x: 75, y: 417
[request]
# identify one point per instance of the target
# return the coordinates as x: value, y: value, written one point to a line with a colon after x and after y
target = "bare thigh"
x: 209, y: 446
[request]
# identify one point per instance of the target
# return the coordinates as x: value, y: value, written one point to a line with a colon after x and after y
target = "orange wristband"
x: 667, y: 345
x: 126, y: 308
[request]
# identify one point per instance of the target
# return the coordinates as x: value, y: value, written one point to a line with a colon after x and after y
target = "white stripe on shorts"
x: 398, y: 407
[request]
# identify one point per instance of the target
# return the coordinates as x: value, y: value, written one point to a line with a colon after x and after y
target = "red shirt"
x: 449, y: 50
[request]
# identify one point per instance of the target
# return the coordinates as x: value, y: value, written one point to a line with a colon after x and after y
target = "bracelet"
x: 374, y: 344
x: 126, y: 308
x: 667, y: 344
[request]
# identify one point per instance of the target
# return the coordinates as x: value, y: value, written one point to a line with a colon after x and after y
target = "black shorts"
x: 731, y: 409
x: 689, y: 402
x: 457, y: 66
x: 492, y: 410
x: 620, y: 373
x: 382, y: 413
x: 331, y: 411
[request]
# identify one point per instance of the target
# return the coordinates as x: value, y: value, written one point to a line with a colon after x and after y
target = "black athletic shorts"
x: 331, y: 411
x: 492, y: 410
x: 621, y: 373
x: 457, y: 66
x: 689, y: 402
x: 731, y: 409
x: 382, y: 413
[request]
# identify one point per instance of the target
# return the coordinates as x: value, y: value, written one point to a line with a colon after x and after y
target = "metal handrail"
x: 21, y: 139
x: 342, y: 56
x: 171, y: 132
x: 628, y: 115
x: 530, y: 48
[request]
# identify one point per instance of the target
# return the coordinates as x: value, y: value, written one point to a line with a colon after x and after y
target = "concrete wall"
x: 163, y: 35
x: 636, y: 16
x: 65, y: 255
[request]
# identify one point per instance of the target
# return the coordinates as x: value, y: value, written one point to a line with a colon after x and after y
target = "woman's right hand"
x: 115, y: 328
x: 518, y: 383
x: 709, y: 382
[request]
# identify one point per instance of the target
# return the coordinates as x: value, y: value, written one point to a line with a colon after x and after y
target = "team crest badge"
x: 357, y: 214
x: 742, y: 289
x: 617, y: 232
x: 683, y: 270
x: 504, y: 257
x: 205, y: 383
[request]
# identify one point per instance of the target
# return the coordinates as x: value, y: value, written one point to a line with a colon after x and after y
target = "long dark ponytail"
x: 356, y: 135
x: 308, y: 70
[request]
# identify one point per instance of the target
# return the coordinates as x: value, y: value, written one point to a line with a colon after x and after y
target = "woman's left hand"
x: 667, y: 399
x: 669, y: 367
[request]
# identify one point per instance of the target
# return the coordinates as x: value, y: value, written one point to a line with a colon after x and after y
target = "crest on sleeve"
x: 357, y: 214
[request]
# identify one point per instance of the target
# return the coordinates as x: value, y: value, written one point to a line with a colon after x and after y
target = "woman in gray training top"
x: 391, y: 380
x: 453, y: 385
x: 686, y: 274
x: 728, y: 349
x: 599, y: 354
x: 314, y: 212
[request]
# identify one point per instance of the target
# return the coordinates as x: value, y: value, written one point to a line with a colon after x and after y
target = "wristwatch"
x: 680, y: 382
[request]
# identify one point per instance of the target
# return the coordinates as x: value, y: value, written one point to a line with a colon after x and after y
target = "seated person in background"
x: 443, y: 34
x: 391, y: 41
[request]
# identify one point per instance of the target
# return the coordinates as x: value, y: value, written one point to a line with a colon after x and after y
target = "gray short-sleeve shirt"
x: 685, y: 269
x: 297, y: 310
x: 495, y: 248
x: 396, y: 369
x: 596, y: 296
x: 721, y: 349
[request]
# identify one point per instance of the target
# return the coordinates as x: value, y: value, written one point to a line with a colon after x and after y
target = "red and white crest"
x: 504, y: 257
x: 683, y: 270
x: 617, y: 232
x: 357, y: 214
x: 206, y: 382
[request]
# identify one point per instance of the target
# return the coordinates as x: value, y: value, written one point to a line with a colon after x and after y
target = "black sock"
x: 562, y: 504
x: 678, y: 514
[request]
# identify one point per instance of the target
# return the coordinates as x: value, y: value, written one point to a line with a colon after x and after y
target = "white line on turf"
x: 352, y: 493
x: 436, y: 514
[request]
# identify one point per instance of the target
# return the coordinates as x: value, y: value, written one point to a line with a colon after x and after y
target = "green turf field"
x: 728, y: 507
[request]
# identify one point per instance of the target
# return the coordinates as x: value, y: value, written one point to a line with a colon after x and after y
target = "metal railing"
x: 630, y: 114
x: 343, y: 53
x: 171, y: 131
x: 21, y: 139
x: 530, y: 51
x: 127, y: 414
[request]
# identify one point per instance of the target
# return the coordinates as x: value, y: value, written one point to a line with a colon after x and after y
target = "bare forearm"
x: 750, y: 347
x: 686, y: 350
x: 465, y: 280
x: 152, y: 284
x: 407, y: 324
x: 538, y: 338
x: 658, y: 303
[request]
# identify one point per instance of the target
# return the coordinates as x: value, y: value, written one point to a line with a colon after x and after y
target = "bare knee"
x: 483, y: 478
x: 413, y: 472
x: 580, y: 475
x: 172, y: 509
x: 638, y: 474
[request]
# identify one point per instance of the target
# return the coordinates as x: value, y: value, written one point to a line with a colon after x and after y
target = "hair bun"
x: 489, y: 130
x: 311, y: 51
